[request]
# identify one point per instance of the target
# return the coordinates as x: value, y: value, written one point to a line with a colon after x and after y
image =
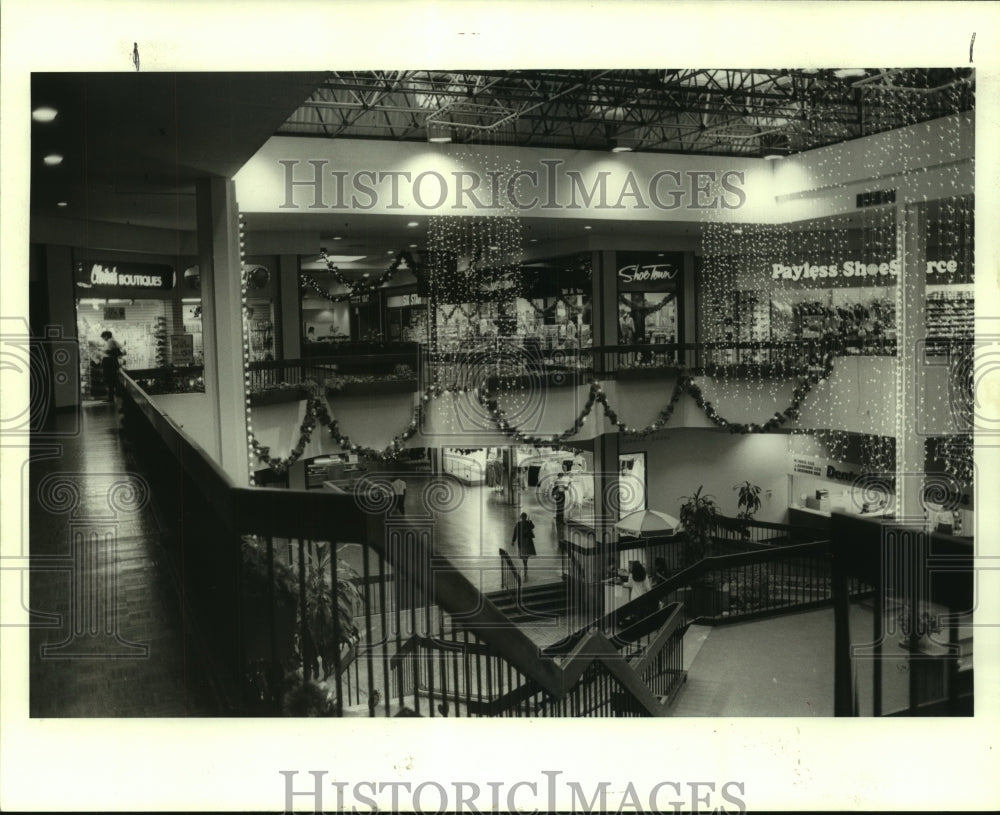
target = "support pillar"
x: 291, y: 313
x: 222, y: 315
x: 604, y: 310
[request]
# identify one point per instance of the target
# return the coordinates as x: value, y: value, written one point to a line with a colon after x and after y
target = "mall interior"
x: 539, y: 393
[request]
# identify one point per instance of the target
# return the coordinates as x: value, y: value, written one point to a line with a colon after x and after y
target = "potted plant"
x: 330, y: 622
x: 697, y: 514
x: 747, y: 504
x: 748, y: 500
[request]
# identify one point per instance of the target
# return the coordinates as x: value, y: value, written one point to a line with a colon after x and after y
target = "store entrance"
x: 152, y: 333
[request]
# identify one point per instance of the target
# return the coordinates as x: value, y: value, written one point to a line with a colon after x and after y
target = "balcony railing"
x: 356, y: 368
x: 313, y: 602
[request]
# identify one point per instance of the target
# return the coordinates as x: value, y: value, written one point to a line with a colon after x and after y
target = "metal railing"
x: 308, y: 600
x: 455, y: 675
x: 730, y: 588
x: 515, y: 362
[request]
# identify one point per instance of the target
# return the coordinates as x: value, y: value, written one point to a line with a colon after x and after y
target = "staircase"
x: 531, y: 603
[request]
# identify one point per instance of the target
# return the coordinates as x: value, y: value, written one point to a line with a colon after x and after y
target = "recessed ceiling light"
x: 414, y: 223
x: 44, y: 114
x: 52, y: 159
x: 534, y: 240
x: 338, y: 237
x: 366, y: 274
x: 62, y: 204
x: 413, y: 246
x: 588, y: 227
x: 390, y: 252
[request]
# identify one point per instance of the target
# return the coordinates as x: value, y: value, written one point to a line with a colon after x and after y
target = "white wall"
x: 679, y: 461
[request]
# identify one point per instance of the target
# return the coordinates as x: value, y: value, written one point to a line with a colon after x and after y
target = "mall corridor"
x: 110, y: 637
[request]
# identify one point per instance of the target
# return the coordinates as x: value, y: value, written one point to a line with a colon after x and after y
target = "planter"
x: 706, y: 600
x: 655, y: 371
x: 378, y: 388
x: 278, y: 396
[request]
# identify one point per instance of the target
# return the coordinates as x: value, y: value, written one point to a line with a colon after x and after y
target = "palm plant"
x: 697, y: 513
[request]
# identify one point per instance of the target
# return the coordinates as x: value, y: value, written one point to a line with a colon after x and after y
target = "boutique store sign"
x: 125, y: 276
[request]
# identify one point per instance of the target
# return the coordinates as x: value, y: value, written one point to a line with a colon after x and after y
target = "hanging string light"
x: 245, y: 311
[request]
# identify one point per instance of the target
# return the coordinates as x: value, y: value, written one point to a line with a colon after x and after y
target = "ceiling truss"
x: 721, y: 112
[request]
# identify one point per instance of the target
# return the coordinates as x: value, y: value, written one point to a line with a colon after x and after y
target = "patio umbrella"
x: 648, y: 522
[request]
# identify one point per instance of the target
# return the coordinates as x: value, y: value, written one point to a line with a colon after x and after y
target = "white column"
x: 222, y: 316
x: 911, y: 331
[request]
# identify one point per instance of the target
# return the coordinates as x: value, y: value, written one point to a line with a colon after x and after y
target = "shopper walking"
x: 110, y: 356
x: 399, y: 490
x: 524, y: 539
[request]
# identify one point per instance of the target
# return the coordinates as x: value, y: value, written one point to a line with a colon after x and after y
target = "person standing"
x: 524, y: 539
x: 559, y: 497
x: 399, y: 490
x: 110, y: 356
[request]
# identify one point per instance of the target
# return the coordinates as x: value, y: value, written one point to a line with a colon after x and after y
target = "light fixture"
x: 771, y: 154
x: 621, y: 146
x: 390, y: 252
x: 413, y: 223
x: 338, y: 237
x: 588, y: 227
x: 438, y: 133
x: 62, y: 204
x: 44, y: 114
x: 849, y: 73
x: 413, y: 246
x: 52, y: 159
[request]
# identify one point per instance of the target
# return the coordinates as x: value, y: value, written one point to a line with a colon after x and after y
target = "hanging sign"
x: 652, y: 272
x: 108, y: 275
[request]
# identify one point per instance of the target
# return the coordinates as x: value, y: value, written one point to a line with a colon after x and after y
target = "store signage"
x: 125, y: 275
x: 833, y: 470
x: 182, y: 349
x: 653, y: 272
x: 807, y: 271
x: 649, y: 272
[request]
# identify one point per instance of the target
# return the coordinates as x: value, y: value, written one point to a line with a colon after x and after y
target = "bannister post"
x: 843, y: 699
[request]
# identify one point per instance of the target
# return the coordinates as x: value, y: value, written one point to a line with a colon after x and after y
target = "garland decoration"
x: 645, y: 311
x: 357, y: 287
x: 685, y: 384
x: 318, y: 413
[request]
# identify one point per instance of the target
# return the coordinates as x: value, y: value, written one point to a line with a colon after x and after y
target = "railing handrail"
x: 307, y: 514
x: 596, y: 648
